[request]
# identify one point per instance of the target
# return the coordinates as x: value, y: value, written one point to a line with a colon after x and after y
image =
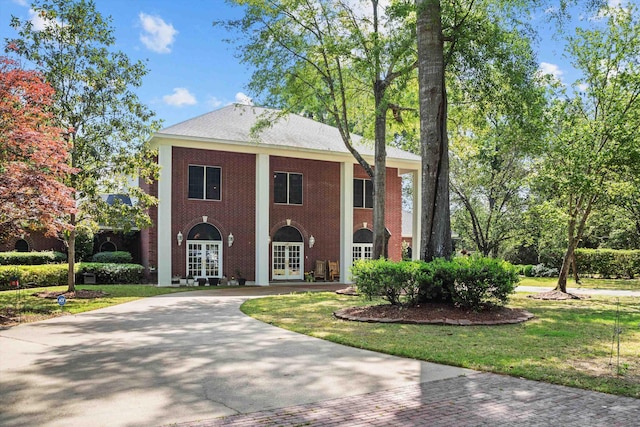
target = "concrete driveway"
x: 177, y: 358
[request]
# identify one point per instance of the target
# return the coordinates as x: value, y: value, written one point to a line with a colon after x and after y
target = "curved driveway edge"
x: 178, y: 358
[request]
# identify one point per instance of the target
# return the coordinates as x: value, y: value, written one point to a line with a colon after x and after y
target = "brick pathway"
x: 478, y: 400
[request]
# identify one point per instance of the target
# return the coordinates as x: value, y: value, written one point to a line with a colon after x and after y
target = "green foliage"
x: 41, y: 275
x: 524, y: 270
x: 609, y: 262
x: 84, y: 243
x: 32, y: 258
x: 483, y: 282
x: 56, y: 274
x: 117, y: 257
x: 112, y: 273
x: 471, y: 282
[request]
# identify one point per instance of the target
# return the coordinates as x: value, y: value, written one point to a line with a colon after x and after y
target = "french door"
x: 204, y: 259
x: 287, y: 261
x: 362, y: 251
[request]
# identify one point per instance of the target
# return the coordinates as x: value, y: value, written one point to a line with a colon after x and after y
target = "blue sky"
x: 191, y: 69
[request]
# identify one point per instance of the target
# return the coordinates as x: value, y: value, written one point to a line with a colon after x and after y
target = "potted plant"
x: 241, y: 280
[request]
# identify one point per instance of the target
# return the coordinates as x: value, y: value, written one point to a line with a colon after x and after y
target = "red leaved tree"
x: 33, y: 155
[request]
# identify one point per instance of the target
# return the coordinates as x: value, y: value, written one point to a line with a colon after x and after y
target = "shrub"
x: 84, y: 243
x: 541, y: 270
x: 436, y: 280
x: 117, y: 257
x: 524, y: 270
x: 381, y: 278
x: 483, y: 282
x: 608, y: 262
x: 472, y: 282
x: 40, y: 275
x: 111, y: 273
x: 32, y: 258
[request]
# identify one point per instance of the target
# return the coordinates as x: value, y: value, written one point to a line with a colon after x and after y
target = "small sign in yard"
x: 61, y: 300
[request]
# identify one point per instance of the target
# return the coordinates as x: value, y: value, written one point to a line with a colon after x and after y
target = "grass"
x: 32, y: 308
x: 568, y: 343
x: 611, y: 284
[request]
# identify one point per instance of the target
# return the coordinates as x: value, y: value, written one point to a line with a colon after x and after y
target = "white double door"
x: 204, y: 258
x: 287, y: 261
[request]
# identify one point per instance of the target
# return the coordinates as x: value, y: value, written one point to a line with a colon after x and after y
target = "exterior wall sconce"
x: 268, y: 239
x: 179, y: 238
x: 230, y: 239
x: 312, y: 241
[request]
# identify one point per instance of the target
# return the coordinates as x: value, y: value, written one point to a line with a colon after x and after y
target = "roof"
x: 234, y: 123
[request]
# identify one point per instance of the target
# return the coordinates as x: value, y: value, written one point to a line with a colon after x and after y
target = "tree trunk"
x: 380, y: 174
x: 434, y: 148
x: 71, y: 276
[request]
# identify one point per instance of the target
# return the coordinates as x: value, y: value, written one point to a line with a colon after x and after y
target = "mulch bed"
x: 79, y: 294
x: 434, y: 313
x: 556, y: 296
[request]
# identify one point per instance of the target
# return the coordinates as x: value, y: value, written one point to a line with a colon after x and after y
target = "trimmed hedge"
x: 32, y: 258
x: 608, y: 263
x: 117, y: 257
x: 471, y: 282
x: 56, y: 274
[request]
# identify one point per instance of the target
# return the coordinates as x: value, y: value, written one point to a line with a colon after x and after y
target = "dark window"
x: 362, y: 193
x: 204, y: 231
x: 363, y: 236
x: 287, y: 234
x: 287, y: 188
x: 204, y: 182
x: 22, y: 246
x: 107, y: 247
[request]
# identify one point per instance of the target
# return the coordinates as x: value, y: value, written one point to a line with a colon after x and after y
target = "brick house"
x: 266, y: 206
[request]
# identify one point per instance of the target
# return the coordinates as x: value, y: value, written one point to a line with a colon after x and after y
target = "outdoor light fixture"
x: 312, y: 241
x: 268, y: 239
x: 179, y: 238
x: 230, y: 239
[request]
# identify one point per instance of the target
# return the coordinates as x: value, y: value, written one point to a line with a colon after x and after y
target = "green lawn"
x: 568, y: 342
x: 615, y: 284
x: 32, y: 308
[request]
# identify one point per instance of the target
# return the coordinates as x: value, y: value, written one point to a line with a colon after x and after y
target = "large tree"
x: 33, y: 155
x: 108, y: 127
x: 595, y: 137
x: 340, y: 61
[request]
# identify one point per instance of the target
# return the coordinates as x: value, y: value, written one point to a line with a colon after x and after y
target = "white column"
x: 165, y: 236
x: 346, y: 220
x: 262, y: 219
x: 417, y: 214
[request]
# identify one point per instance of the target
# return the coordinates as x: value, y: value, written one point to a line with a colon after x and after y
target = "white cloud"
x: 241, y: 98
x: 21, y: 2
x: 180, y: 97
x: 553, y: 69
x: 157, y: 35
x: 214, y: 102
x: 39, y: 23
x: 582, y: 87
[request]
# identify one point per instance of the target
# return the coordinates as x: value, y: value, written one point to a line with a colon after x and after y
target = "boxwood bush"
x: 56, y: 274
x: 117, y: 257
x: 32, y: 258
x: 471, y: 282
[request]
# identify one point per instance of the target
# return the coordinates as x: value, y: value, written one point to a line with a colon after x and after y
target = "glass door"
x: 204, y: 259
x: 286, y: 261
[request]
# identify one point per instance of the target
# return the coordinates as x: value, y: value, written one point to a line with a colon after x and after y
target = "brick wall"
x: 319, y: 214
x: 234, y: 213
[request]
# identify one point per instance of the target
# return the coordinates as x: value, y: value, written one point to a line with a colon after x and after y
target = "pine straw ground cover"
x: 570, y: 342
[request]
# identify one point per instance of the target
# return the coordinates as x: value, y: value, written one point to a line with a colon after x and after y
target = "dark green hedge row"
x: 608, y: 263
x: 32, y: 258
x: 470, y: 282
x: 117, y: 257
x: 56, y: 274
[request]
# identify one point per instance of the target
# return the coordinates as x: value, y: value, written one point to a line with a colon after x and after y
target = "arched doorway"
x: 287, y: 250
x: 362, y: 244
x: 204, y: 251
